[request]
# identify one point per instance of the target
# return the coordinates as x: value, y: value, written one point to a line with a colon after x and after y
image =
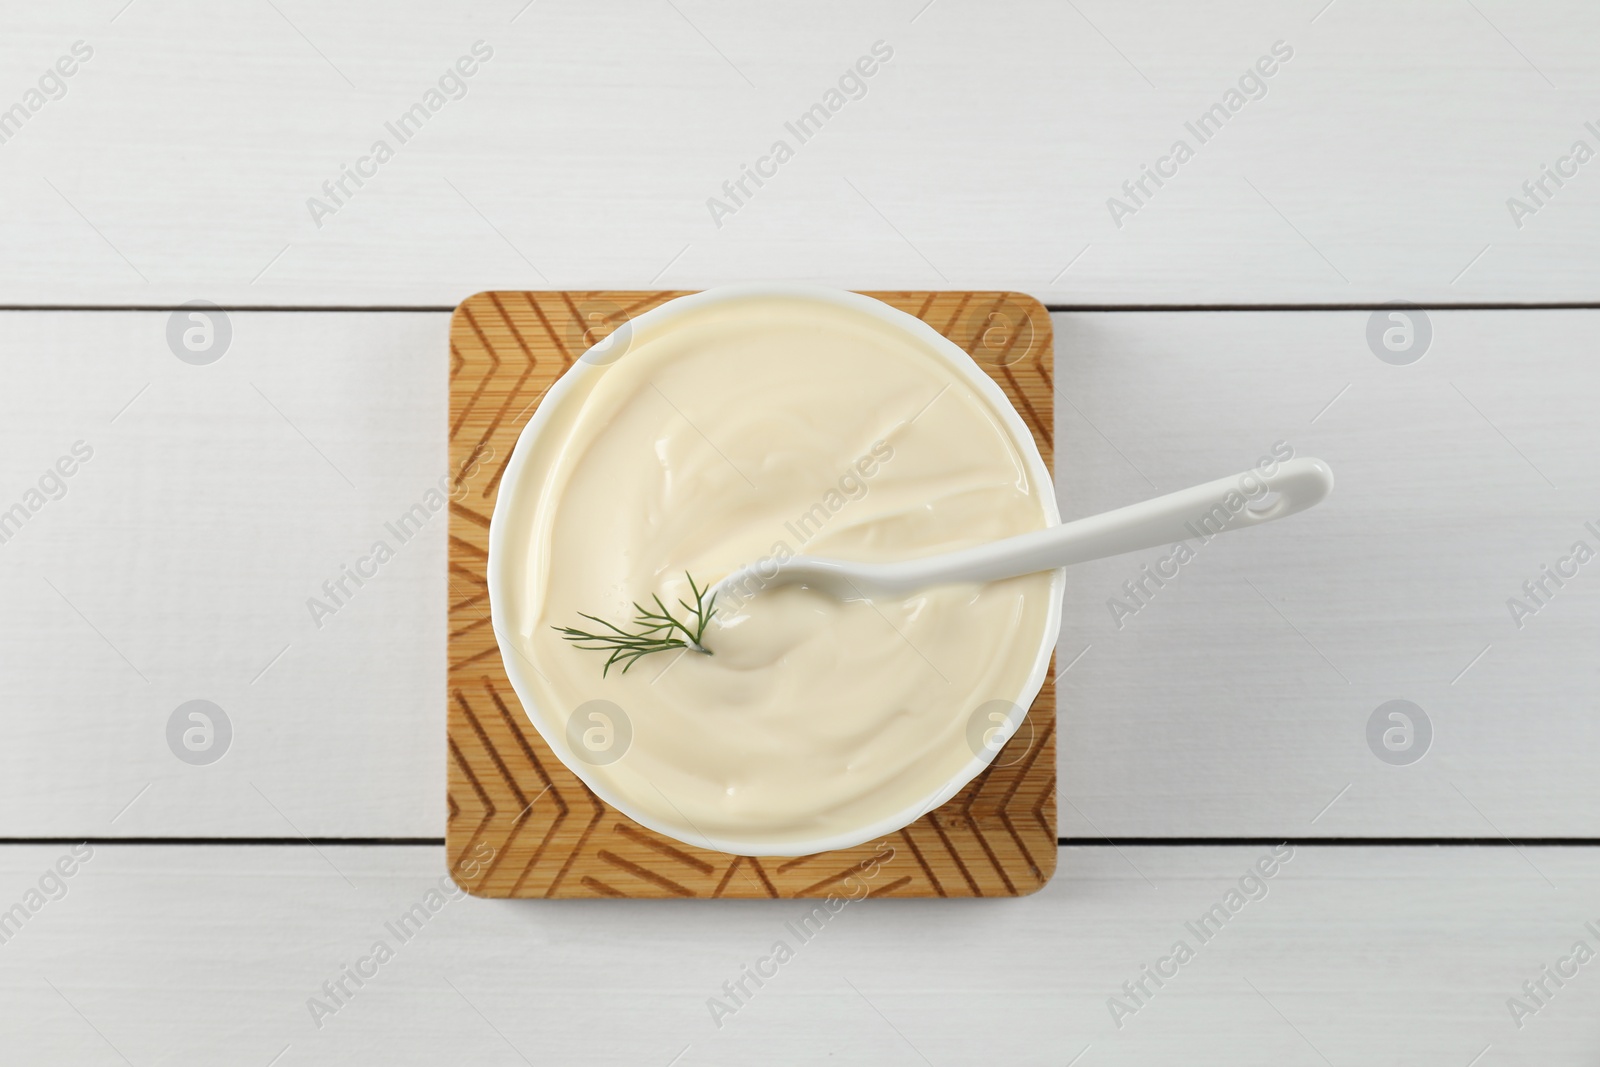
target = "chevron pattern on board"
x: 522, y: 825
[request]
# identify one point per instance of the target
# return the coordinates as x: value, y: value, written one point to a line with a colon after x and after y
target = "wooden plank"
x: 1373, y: 955
x: 180, y: 562
x: 1240, y: 694
x: 1378, y: 164
x: 1205, y: 715
x: 550, y: 834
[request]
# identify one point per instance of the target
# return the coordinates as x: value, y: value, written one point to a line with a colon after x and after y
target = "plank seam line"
x: 1062, y: 842
x: 445, y: 309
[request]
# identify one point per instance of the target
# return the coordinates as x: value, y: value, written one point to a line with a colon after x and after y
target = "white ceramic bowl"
x: 546, y: 720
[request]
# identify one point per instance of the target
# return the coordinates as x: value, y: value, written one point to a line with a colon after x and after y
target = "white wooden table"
x: 1200, y: 322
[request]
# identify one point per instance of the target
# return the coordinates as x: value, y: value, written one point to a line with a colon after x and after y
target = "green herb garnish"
x: 653, y: 631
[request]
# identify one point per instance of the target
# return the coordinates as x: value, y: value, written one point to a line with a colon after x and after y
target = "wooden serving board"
x: 522, y: 825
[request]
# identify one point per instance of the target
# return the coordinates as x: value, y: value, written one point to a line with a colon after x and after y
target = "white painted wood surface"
x: 1239, y: 695
x: 1377, y: 166
x: 1235, y: 703
x: 1403, y: 956
x: 179, y: 563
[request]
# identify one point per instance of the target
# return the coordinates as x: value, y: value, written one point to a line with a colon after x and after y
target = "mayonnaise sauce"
x: 772, y: 426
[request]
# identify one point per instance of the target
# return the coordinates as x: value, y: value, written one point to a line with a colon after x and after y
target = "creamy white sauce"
x: 772, y: 426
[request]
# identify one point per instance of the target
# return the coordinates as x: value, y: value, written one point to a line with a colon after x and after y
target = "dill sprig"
x: 653, y: 631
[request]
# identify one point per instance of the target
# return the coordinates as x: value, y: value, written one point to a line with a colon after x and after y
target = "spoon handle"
x: 1199, y: 512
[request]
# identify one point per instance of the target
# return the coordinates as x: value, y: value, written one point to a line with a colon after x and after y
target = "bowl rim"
x: 554, y: 733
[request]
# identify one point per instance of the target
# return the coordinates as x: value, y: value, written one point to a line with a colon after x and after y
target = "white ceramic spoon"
x: 1202, y: 510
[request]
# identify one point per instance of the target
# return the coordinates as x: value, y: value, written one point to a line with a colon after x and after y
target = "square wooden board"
x: 522, y: 825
